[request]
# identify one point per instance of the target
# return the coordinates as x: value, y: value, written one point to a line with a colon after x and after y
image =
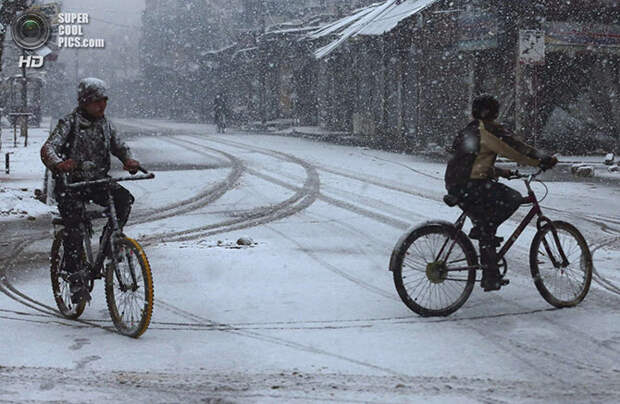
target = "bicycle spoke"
x: 424, y: 280
x: 567, y: 282
x: 130, y: 303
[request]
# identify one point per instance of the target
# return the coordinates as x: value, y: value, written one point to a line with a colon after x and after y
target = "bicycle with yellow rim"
x: 120, y: 261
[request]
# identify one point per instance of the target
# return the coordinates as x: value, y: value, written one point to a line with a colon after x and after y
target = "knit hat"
x: 91, y: 89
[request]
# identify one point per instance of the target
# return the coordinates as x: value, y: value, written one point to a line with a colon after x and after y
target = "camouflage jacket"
x: 81, y: 139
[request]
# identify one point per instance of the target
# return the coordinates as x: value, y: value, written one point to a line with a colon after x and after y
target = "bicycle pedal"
x: 81, y: 295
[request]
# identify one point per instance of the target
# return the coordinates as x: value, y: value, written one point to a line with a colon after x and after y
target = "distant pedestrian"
x: 220, y: 109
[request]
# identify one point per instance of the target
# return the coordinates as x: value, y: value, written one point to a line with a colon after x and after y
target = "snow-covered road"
x: 308, y: 312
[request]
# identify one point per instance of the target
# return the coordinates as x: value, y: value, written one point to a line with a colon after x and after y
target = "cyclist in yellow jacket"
x: 471, y: 176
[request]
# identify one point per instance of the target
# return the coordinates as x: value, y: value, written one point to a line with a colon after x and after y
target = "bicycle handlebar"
x: 146, y: 176
x: 516, y: 175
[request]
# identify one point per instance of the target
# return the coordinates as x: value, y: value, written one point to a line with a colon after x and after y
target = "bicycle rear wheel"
x: 561, y: 285
x: 129, y: 293
x: 60, y: 283
x: 421, y: 277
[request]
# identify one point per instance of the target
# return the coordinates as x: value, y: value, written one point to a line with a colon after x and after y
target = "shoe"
x: 78, y: 288
x: 493, y: 283
x: 474, y: 233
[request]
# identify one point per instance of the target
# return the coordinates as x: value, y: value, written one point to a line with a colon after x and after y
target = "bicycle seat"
x: 451, y: 200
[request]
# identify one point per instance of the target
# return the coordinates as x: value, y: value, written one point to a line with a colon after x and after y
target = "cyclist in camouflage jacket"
x: 80, y: 147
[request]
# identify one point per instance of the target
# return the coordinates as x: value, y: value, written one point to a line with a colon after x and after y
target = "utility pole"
x: 24, y: 128
x: 77, y: 67
x: 263, y: 64
x: 2, y: 34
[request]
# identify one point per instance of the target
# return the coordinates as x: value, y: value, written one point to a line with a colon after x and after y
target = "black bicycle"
x: 434, y: 265
x: 121, y: 261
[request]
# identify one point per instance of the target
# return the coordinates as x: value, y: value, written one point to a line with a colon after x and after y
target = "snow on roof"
x: 388, y: 20
x: 218, y: 51
x: 292, y: 30
x: 244, y: 51
x: 374, y: 20
x: 341, y: 23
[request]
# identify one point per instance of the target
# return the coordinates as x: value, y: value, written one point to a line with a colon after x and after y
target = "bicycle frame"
x: 113, y: 232
x: 540, y: 223
x: 96, y: 263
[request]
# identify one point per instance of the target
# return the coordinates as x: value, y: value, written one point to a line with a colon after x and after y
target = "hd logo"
x: 31, y: 31
x: 31, y: 61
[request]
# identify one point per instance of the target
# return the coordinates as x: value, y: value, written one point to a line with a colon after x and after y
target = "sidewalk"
x: 287, y: 127
x: 26, y: 174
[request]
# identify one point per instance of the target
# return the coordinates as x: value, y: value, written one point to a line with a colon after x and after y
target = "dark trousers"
x: 488, y: 204
x: 71, y: 208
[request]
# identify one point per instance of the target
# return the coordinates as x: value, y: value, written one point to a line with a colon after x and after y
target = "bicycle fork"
x: 540, y: 224
x: 114, y: 241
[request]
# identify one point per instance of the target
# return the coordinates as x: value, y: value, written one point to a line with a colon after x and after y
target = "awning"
x: 373, y: 20
x: 340, y: 24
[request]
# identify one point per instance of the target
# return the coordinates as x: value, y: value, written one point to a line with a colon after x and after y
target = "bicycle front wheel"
x: 129, y: 289
x: 561, y: 284
x: 423, y: 278
x: 60, y: 282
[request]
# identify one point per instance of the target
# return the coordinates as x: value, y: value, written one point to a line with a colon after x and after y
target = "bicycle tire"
x: 127, y: 322
x: 60, y: 286
x: 547, y: 277
x: 403, y: 249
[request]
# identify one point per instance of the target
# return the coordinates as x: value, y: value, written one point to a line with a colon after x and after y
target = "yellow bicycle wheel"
x: 129, y: 289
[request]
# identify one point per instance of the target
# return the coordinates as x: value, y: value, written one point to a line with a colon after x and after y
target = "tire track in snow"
x: 336, y: 270
x: 203, y: 198
x: 275, y: 340
x: 9, y: 290
x: 304, y: 197
x: 315, y: 191
x: 400, y: 224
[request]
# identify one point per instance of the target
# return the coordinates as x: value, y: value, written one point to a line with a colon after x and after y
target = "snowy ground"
x: 308, y: 313
x: 25, y: 175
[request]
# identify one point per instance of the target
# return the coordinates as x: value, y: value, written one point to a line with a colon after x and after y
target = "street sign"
x: 532, y: 47
x: 572, y: 36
